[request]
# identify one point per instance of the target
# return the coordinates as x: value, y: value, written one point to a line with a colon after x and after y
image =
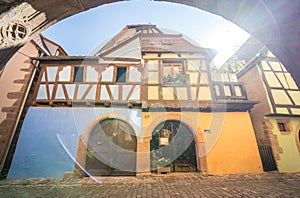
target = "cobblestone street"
x: 172, y: 185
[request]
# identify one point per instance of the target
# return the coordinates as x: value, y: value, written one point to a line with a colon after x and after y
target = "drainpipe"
x: 35, y: 68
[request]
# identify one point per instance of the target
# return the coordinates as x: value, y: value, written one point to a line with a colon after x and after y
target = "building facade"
x: 145, y: 100
x: 17, y: 77
x: 276, y: 119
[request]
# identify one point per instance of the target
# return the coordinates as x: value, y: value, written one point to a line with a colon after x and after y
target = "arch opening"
x: 111, y: 149
x: 173, y: 145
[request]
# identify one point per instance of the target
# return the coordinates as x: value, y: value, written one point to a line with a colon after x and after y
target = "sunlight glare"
x: 226, y: 39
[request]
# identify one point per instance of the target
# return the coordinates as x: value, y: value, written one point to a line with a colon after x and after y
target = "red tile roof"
x: 164, y: 42
x: 156, y: 41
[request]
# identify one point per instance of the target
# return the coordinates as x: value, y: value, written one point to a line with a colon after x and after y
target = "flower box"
x: 163, y: 141
x: 163, y: 170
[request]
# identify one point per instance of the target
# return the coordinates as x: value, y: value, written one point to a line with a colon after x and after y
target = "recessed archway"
x: 108, y: 146
x: 173, y: 144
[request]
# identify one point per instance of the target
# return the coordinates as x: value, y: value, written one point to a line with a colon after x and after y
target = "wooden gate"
x: 180, y: 149
x: 111, y: 149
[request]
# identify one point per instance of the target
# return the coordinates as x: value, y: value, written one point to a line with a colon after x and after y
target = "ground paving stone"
x: 271, y: 184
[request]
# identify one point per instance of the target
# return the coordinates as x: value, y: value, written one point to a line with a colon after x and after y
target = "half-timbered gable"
x: 276, y: 118
x: 283, y: 93
x: 69, y: 80
x: 141, y: 66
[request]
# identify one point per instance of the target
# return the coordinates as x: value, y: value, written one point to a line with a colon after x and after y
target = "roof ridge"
x: 117, y: 44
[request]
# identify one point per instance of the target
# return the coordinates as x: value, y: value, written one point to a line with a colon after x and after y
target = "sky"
x: 86, y: 32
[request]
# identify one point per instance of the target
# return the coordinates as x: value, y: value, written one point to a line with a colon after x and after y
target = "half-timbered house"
x: 147, y: 99
x: 276, y: 119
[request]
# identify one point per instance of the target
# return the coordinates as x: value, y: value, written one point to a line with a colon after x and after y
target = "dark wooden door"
x: 181, y: 149
x: 111, y: 149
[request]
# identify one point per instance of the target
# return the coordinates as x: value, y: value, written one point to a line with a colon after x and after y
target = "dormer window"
x: 166, y: 41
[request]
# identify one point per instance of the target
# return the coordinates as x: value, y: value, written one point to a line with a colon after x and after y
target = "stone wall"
x: 14, y: 83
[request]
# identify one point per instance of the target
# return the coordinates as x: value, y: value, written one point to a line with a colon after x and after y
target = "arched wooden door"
x: 180, y: 149
x: 111, y: 149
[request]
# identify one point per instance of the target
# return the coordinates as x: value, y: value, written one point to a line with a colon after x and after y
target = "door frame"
x: 84, y: 138
x: 192, y: 125
x: 188, y: 131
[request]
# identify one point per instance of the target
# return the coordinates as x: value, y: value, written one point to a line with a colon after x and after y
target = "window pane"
x: 173, y: 71
x: 225, y: 77
x: 238, y: 90
x: 121, y: 74
x: 227, y: 90
x: 168, y: 71
x: 217, y: 90
x: 281, y: 126
x: 78, y: 74
x: 177, y: 69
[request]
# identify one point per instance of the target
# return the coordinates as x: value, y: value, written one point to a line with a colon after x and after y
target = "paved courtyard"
x: 171, y: 185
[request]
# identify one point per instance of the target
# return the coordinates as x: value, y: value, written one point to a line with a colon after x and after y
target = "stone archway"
x: 108, y: 147
x: 274, y: 23
x: 179, y: 149
x: 111, y: 149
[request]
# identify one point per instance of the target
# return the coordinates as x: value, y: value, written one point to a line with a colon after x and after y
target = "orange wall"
x: 236, y: 149
x: 230, y: 147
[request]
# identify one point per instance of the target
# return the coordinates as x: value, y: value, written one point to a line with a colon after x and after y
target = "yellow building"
x: 147, y: 100
x: 276, y: 119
